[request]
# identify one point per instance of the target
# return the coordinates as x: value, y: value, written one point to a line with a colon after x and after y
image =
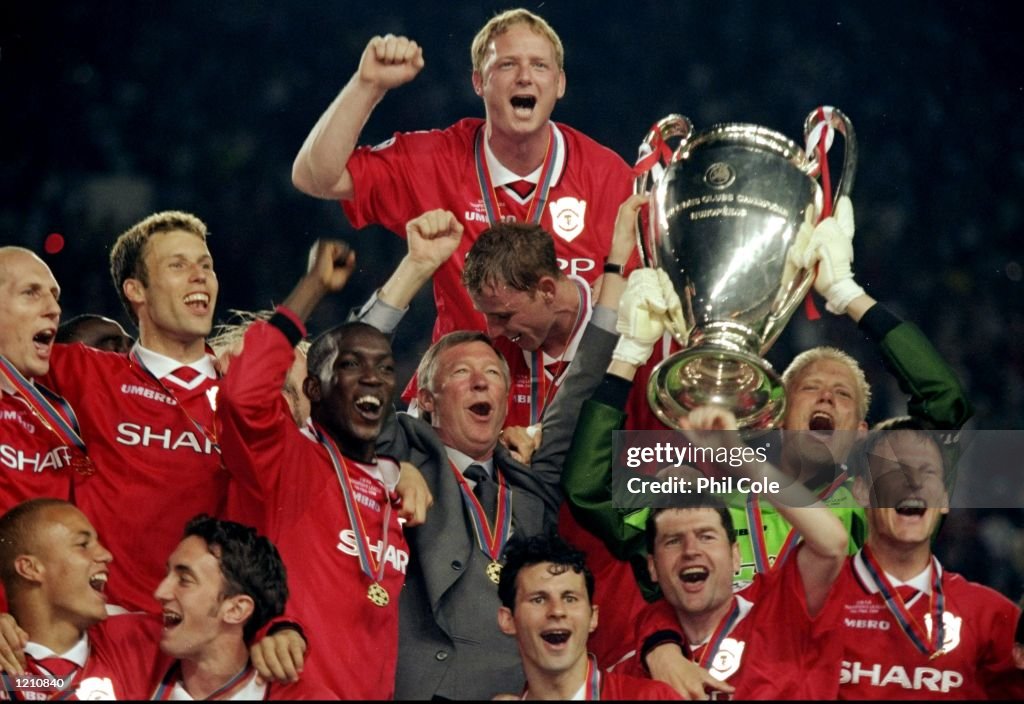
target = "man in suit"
x: 450, y: 645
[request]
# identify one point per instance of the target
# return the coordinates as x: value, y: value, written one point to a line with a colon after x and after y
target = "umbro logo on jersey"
x: 146, y: 392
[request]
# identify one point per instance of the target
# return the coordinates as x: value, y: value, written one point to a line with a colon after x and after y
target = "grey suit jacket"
x: 449, y: 642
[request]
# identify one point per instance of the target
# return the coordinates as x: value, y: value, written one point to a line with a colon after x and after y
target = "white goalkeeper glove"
x: 831, y: 247
x: 641, y: 319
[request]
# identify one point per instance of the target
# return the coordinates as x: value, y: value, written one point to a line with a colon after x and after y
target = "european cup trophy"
x: 726, y: 206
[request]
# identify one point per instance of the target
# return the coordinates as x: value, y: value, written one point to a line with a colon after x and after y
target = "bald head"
x: 29, y: 311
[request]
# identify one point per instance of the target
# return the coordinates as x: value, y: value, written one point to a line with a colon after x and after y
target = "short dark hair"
x: 535, y: 550
x: 250, y: 565
x: 859, y: 464
x: 323, y: 351
x: 690, y: 501
x: 127, y: 256
x: 17, y: 527
x: 513, y: 253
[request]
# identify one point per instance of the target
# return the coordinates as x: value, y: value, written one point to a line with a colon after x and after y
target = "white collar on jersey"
x: 162, y: 365
x: 922, y: 581
x: 501, y: 176
x: 78, y: 653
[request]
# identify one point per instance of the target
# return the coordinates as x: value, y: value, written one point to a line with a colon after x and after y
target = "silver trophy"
x: 726, y: 205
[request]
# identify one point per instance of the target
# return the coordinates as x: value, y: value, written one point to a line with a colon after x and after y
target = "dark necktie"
x: 522, y: 187
x: 486, y: 489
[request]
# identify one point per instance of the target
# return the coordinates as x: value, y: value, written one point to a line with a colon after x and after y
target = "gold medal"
x: 494, y: 571
x: 82, y: 464
x: 378, y: 595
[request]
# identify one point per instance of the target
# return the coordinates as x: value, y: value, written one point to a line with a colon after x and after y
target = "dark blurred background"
x: 112, y: 110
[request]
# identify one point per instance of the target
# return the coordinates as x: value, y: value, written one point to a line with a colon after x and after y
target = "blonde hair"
x: 499, y: 24
x: 806, y: 358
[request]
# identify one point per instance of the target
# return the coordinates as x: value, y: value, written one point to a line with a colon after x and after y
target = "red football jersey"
x: 618, y: 687
x: 156, y: 465
x: 880, y: 662
x: 775, y: 650
x: 34, y: 462
x: 354, y: 645
x: 414, y: 172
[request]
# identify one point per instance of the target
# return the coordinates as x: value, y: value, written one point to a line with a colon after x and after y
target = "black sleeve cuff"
x: 656, y: 639
x: 287, y: 327
x: 612, y: 391
x: 879, y: 321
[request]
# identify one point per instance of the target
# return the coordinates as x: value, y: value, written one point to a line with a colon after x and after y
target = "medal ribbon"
x: 916, y: 632
x: 707, y: 658
x: 366, y: 561
x: 541, y: 390
x: 133, y: 356
x: 490, y: 194
x: 44, y: 404
x: 759, y: 545
x: 593, y: 692
x: 163, y: 691
x: 490, y: 539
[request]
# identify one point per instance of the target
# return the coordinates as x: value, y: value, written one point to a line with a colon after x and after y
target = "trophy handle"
x: 653, y: 156
x: 819, y: 125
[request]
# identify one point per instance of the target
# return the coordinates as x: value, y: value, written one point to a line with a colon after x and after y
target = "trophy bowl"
x: 724, y: 212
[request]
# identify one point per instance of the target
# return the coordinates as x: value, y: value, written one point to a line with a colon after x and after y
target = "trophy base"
x: 739, y: 381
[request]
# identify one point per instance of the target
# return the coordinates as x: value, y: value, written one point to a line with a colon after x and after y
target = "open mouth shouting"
x: 556, y: 637
x: 370, y: 407
x: 198, y: 302
x: 98, y: 583
x: 693, y: 578
x: 911, y: 507
x: 43, y: 340
x: 172, y: 619
x: 481, y: 410
x: 523, y: 105
x: 821, y: 424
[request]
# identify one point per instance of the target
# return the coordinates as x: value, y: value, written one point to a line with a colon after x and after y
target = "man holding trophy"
x: 823, y: 393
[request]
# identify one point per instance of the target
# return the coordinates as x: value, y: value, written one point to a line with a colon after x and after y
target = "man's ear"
x: 561, y: 83
x: 651, y: 569
x: 862, y: 491
x: 593, y: 618
x: 506, y: 623
x: 547, y: 287
x: 311, y: 387
x: 478, y: 83
x: 425, y: 399
x: 134, y: 291
x: 236, y: 610
x: 29, y: 567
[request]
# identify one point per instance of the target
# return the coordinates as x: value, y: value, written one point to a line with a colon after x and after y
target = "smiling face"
x: 693, y: 562
x: 352, y: 394
x: 524, y: 317
x: 552, y: 619
x: 468, y: 399
x: 29, y: 312
x: 520, y: 81
x: 72, y: 566
x: 907, y: 493
x: 195, y: 609
x: 175, y: 304
x: 824, y: 400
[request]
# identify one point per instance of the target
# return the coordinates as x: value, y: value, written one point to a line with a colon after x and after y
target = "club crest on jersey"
x: 727, y: 659
x: 95, y: 688
x: 567, y: 217
x: 950, y: 630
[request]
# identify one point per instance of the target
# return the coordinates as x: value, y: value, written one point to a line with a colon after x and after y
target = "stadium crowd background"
x: 111, y: 110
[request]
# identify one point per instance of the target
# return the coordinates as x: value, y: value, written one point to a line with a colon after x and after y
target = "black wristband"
x: 610, y: 268
x: 656, y: 639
